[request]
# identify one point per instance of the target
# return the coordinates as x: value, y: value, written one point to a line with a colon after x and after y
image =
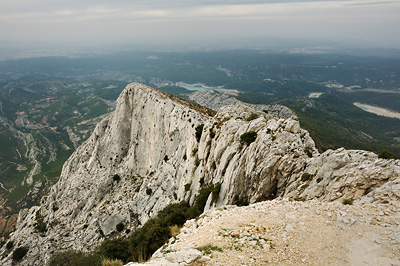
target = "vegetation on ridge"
x: 248, y: 137
x: 384, y: 154
x: 144, y: 241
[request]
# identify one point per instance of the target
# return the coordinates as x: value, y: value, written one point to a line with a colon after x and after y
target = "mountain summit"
x: 156, y: 149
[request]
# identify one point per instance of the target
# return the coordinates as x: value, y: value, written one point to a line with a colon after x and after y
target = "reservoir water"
x: 196, y: 87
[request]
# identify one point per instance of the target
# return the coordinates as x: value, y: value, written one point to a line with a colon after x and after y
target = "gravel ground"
x: 287, y: 232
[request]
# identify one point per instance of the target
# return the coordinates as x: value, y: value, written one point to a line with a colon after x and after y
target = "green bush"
x: 142, y: 243
x: 347, y: 202
x: 117, y: 248
x: 252, y: 116
x: 384, y: 154
x: 215, y: 192
x: 19, y: 253
x: 204, y: 193
x: 40, y: 225
x: 75, y: 258
x: 248, y: 137
x: 155, y: 232
x: 212, y: 134
x: 175, y: 214
x: 116, y: 177
x: 199, y: 131
x: 120, y: 227
x: 306, y: 177
x: 149, y: 191
x: 206, y: 250
x: 9, y: 245
x: 187, y: 186
x: 147, y: 239
x: 308, y: 151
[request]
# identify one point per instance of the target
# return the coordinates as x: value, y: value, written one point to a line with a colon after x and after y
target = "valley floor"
x: 287, y: 232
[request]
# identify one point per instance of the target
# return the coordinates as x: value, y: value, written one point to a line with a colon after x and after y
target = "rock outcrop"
x: 149, y: 153
x: 216, y: 100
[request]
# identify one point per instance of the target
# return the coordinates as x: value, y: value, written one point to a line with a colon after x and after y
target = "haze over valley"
x: 128, y: 127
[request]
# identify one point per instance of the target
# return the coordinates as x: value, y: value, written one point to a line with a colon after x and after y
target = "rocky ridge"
x: 146, y: 155
x: 217, y: 100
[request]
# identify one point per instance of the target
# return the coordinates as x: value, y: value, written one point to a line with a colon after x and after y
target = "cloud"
x: 174, y: 19
x: 134, y: 10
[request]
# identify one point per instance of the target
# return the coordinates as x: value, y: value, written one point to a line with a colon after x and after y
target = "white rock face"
x: 145, y: 155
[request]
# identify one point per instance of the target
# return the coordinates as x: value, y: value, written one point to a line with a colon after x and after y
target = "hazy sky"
x: 136, y: 21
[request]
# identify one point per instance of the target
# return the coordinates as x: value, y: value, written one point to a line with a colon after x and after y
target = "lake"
x: 196, y: 87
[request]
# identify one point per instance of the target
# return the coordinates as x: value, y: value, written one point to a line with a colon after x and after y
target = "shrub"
x: 306, y: 177
x: 240, y: 201
x: 19, y: 253
x: 175, y: 214
x: 40, y: 225
x: 147, y: 239
x: 206, y: 250
x: 108, y: 262
x: 384, y: 154
x: 248, y: 137
x: 184, y: 157
x: 199, y: 131
x: 212, y: 134
x: 120, y: 227
x: 308, y: 151
x: 215, y: 192
x: 347, y: 202
x: 187, y: 186
x: 74, y: 258
x: 149, y: 191
x: 156, y: 232
x: 204, y: 193
x: 9, y: 245
x: 116, y: 177
x: 117, y: 248
x: 252, y: 117
x: 166, y: 158
x: 194, y: 151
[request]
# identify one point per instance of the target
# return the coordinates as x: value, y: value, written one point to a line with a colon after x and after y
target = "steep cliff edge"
x: 147, y: 154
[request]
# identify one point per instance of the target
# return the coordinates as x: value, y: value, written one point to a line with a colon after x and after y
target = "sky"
x: 100, y: 22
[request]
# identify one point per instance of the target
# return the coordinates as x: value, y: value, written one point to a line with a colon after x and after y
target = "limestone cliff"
x: 146, y: 155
